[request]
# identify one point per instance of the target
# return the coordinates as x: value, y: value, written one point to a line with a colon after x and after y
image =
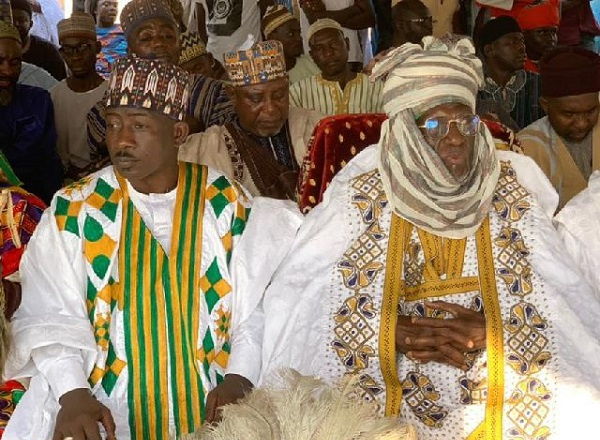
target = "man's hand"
x: 233, y: 388
x: 442, y: 340
x: 79, y: 416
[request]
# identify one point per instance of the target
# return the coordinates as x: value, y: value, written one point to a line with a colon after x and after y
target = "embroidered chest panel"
x: 442, y: 400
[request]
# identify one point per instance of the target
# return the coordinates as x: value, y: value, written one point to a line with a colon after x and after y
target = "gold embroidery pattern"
x: 514, y: 268
x: 529, y: 409
x: 355, y: 336
x: 510, y: 197
x: 527, y: 340
x: 421, y: 396
x: 413, y: 268
x: 472, y: 392
x: 527, y: 352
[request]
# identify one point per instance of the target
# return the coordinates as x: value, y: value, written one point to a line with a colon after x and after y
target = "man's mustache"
x: 124, y: 154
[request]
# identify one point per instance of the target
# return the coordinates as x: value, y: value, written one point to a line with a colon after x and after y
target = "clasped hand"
x: 447, y: 341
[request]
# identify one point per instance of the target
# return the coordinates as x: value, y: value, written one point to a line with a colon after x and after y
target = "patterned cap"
x: 6, y: 11
x: 7, y: 30
x: 136, y: 12
x: 261, y: 63
x: 323, y: 23
x: 149, y: 84
x: 274, y: 17
x: 80, y: 25
x: 192, y: 47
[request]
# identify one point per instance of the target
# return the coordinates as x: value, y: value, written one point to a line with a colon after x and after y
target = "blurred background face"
x: 10, y: 68
x: 508, y: 51
x: 106, y: 12
x: 80, y: 55
x: 413, y: 25
x: 540, y: 41
x: 202, y: 65
x: 23, y: 23
x: 156, y: 39
x: 329, y: 50
x: 572, y: 117
x: 262, y: 108
x: 289, y: 35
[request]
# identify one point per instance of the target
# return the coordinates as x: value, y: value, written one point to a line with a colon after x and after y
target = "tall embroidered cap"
x: 8, y: 31
x: 261, y: 63
x: 320, y: 24
x: 149, y: 84
x: 274, y: 17
x: 80, y: 25
x: 136, y: 12
x: 6, y: 11
x: 192, y: 47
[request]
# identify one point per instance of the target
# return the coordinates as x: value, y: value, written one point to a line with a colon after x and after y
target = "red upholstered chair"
x: 335, y: 141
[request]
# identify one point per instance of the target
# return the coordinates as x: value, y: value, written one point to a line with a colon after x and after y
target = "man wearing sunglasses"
x: 411, y: 21
x: 431, y: 272
x: 75, y: 96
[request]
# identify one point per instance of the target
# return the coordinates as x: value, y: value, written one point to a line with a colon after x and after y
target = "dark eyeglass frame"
x: 418, y: 20
x: 462, y: 122
x: 72, y: 50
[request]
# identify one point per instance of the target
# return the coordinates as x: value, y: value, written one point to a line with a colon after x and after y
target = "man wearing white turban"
x: 432, y: 271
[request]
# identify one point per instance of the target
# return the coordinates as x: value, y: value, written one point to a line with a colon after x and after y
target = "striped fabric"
x: 327, y: 97
x: 160, y: 314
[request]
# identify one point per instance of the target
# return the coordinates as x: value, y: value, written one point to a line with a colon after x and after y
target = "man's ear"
x: 488, y: 50
x: 98, y: 47
x: 544, y: 104
x: 181, y: 130
x: 347, y: 44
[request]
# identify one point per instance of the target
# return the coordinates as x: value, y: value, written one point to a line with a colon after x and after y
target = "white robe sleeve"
x: 268, y: 236
x: 51, y: 332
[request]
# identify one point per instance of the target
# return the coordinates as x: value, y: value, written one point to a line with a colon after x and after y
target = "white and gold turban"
x: 419, y: 186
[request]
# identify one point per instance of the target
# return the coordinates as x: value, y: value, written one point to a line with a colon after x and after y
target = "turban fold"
x: 538, y: 16
x: 153, y: 85
x: 275, y: 16
x: 421, y: 78
x: 569, y: 71
x: 80, y: 25
x: 261, y: 63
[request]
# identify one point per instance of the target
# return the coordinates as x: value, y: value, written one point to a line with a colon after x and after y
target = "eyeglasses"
x: 72, y: 50
x: 438, y: 127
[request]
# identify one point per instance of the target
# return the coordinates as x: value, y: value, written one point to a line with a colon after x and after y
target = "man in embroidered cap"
x: 507, y: 84
x: 279, y: 24
x: 74, y: 96
x: 337, y: 89
x: 195, y: 59
x: 27, y: 130
x: 131, y: 315
x: 566, y: 143
x: 152, y: 32
x: 539, y: 24
x: 264, y: 146
x: 432, y: 272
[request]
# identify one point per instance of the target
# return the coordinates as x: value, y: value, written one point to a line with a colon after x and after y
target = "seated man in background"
x: 411, y: 22
x: 539, y: 24
x: 27, y: 130
x: 507, y: 84
x: 196, y: 60
x: 264, y: 146
x: 279, y: 24
x: 36, y: 50
x: 566, y: 143
x: 337, y: 89
x: 75, y: 96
